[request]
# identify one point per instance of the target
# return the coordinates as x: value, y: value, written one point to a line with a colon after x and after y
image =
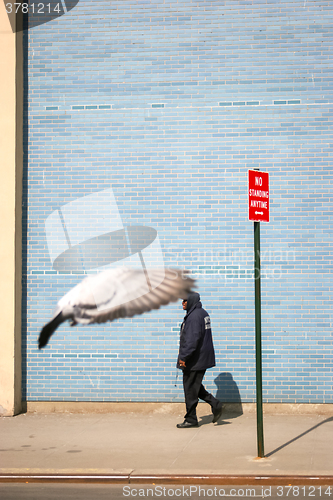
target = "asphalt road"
x: 50, y: 491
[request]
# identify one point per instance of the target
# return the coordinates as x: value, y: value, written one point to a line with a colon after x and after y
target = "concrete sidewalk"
x: 138, y: 445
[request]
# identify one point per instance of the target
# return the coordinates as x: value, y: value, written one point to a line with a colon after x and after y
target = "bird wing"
x: 124, y: 292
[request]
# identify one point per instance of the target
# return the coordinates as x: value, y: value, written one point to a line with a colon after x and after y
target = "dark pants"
x: 194, y: 390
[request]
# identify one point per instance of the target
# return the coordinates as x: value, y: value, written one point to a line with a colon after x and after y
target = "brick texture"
x: 168, y: 104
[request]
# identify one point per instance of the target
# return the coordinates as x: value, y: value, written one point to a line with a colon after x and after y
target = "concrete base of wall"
x: 172, y: 408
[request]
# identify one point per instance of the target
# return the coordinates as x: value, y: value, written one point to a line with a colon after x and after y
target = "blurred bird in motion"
x: 118, y: 293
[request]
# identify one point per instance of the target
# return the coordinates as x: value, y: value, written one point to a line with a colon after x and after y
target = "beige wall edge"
x: 174, y: 408
x: 11, y: 168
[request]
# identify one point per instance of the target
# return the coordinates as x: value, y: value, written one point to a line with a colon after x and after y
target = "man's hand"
x: 182, y: 364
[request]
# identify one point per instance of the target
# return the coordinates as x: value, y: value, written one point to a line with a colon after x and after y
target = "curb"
x: 175, y: 479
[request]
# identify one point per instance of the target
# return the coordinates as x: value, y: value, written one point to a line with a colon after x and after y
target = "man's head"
x: 191, y: 300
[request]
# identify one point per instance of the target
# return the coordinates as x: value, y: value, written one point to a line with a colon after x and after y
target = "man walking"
x: 196, y: 355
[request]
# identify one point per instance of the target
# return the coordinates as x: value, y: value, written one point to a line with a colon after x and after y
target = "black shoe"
x: 217, y: 414
x: 186, y: 425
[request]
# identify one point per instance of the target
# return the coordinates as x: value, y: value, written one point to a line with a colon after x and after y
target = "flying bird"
x: 117, y: 293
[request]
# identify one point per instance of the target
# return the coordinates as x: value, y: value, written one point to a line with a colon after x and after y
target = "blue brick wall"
x: 168, y: 104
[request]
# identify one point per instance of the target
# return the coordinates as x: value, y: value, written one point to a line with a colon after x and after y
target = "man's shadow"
x: 228, y: 394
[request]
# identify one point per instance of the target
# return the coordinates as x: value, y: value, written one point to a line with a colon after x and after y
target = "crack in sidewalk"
x: 184, y: 448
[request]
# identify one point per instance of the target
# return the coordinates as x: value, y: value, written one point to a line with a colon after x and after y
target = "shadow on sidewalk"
x: 330, y: 419
x: 207, y: 419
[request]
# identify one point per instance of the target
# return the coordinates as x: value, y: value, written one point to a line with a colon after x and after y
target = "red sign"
x: 258, y: 196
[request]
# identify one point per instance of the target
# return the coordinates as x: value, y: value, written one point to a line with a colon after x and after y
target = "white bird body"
x: 118, y: 293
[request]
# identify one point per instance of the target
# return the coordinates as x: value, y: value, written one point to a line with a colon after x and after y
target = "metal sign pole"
x: 257, y: 289
x: 258, y: 211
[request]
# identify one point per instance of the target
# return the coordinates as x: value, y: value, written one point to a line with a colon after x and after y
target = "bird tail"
x: 49, y: 329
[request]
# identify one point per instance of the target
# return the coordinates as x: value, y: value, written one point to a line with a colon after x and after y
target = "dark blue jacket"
x: 196, y: 342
